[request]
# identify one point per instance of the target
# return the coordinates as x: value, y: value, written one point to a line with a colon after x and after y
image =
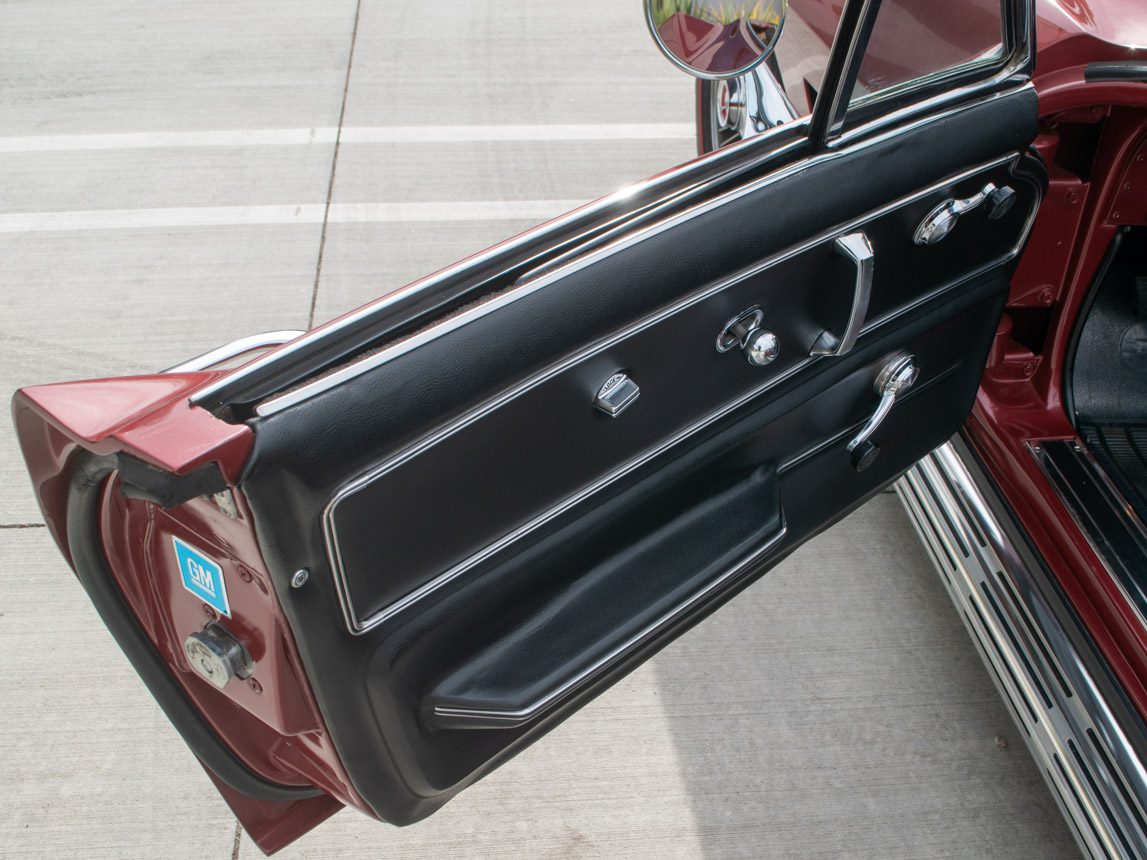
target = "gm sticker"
x: 202, y: 577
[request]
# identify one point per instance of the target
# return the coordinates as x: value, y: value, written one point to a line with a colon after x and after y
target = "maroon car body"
x: 271, y: 724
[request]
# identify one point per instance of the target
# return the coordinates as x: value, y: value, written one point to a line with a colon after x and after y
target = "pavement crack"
x: 334, y: 166
x: 22, y: 526
x: 235, y: 843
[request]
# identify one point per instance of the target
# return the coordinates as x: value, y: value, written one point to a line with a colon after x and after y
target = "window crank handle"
x: 895, y: 378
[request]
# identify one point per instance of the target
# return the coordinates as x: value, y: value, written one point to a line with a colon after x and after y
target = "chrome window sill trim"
x: 235, y: 349
x: 360, y: 625
x: 277, y: 403
x: 744, y: 156
x: 1026, y: 634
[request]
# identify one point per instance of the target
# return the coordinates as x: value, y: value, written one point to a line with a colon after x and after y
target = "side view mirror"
x: 716, y: 39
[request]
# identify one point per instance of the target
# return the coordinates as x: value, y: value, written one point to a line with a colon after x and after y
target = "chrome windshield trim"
x: 1078, y: 725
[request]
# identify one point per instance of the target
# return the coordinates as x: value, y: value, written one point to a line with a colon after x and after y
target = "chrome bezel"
x: 709, y: 76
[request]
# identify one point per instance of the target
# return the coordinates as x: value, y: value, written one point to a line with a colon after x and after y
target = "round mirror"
x: 716, y: 39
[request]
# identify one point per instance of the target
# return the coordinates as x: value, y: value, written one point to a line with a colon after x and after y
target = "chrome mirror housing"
x: 716, y: 39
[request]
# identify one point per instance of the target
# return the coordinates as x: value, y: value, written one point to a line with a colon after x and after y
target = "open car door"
x: 377, y: 561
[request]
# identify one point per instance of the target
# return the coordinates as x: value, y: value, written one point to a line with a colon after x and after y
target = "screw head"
x: 300, y: 577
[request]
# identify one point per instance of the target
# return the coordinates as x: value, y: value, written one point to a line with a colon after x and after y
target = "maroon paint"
x: 713, y: 48
x: 1021, y: 396
x: 278, y: 732
x: 270, y: 722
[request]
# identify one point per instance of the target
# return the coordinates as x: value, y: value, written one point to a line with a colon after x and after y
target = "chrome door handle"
x: 856, y: 247
x: 942, y: 220
x: 896, y: 377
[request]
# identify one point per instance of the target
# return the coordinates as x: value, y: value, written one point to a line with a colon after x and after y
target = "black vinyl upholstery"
x: 458, y: 444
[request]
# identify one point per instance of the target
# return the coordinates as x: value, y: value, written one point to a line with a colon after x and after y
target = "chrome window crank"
x: 896, y: 377
x: 941, y: 220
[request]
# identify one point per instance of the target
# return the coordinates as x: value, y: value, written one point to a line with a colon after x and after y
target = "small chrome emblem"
x: 616, y: 394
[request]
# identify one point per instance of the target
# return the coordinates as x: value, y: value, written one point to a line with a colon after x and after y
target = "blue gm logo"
x: 202, y: 577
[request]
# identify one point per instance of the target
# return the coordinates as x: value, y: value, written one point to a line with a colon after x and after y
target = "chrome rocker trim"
x: 1078, y: 725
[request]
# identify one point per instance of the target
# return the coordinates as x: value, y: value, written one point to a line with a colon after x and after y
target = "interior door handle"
x: 856, y: 247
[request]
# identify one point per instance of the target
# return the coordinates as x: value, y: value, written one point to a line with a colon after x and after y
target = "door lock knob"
x: 760, y: 347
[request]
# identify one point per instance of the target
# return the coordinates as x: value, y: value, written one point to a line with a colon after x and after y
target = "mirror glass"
x: 716, y: 38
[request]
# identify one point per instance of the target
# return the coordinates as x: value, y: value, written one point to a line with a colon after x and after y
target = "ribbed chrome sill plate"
x: 1083, y: 736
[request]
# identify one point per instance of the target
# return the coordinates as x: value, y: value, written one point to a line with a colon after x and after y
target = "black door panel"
x: 517, y: 460
x: 488, y: 551
x: 476, y: 639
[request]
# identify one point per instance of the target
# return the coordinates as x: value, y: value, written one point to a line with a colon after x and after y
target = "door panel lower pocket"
x: 614, y: 607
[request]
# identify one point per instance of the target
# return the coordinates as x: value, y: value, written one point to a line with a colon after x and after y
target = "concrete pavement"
x: 835, y: 709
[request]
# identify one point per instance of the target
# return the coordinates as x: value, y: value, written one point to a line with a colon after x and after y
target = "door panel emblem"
x: 202, y: 577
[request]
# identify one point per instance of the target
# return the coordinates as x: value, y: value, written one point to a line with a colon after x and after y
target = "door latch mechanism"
x: 942, y: 220
x: 760, y: 347
x: 895, y: 378
x: 217, y: 655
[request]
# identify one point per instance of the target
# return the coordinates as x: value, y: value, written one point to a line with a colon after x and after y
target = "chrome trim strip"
x: 524, y: 715
x: 1103, y: 497
x: 234, y: 349
x: 1026, y: 633
x: 278, y: 403
x: 360, y: 625
x: 850, y: 67
x: 336, y: 326
x: 304, y: 392
x: 894, y: 119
